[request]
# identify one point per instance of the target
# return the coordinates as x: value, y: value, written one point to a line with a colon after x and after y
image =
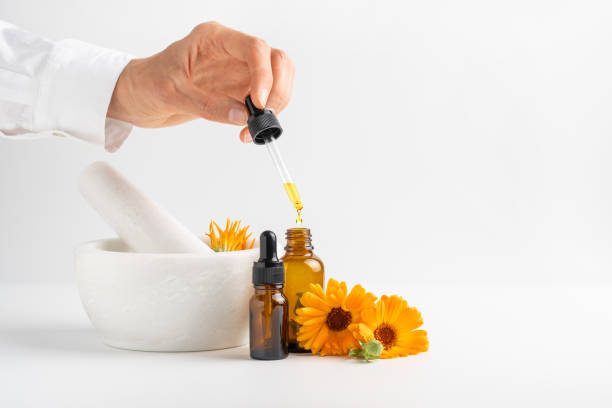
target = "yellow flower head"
x: 329, y: 318
x: 233, y: 238
x: 393, y: 323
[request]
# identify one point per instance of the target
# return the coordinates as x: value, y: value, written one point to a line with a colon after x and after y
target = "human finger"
x: 256, y: 53
x: 245, y: 136
x: 283, y: 71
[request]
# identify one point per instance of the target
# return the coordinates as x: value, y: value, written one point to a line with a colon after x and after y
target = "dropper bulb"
x: 267, y: 247
x: 268, y: 270
x: 251, y: 106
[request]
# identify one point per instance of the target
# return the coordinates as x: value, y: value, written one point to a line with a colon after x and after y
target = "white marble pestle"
x: 142, y: 224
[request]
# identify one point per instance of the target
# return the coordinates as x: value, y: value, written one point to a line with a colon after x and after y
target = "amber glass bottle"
x: 268, y: 308
x: 268, y: 317
x: 302, y: 267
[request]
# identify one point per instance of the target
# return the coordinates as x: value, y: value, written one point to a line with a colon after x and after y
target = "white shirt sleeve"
x: 58, y: 88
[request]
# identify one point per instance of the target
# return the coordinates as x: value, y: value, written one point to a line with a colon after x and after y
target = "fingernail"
x: 238, y: 116
x: 263, y: 97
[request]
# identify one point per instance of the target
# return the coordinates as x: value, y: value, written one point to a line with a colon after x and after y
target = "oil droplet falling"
x: 294, y: 196
x: 299, y: 217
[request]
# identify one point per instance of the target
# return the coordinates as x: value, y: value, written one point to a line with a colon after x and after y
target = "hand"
x: 207, y: 74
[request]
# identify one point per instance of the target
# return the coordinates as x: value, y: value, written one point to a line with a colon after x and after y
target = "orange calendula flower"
x: 328, y: 317
x: 393, y: 323
x: 233, y: 238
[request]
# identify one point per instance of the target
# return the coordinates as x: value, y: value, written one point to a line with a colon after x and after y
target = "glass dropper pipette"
x: 265, y: 129
x: 290, y: 187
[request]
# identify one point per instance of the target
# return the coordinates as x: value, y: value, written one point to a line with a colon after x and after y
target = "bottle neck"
x: 260, y: 289
x: 298, y: 241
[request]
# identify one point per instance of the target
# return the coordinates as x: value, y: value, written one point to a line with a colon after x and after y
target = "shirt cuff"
x: 116, y: 131
x: 75, y: 91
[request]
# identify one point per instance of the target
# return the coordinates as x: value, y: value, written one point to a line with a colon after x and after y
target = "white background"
x: 431, y: 140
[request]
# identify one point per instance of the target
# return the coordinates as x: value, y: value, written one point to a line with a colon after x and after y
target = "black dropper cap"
x: 263, y: 124
x: 268, y: 270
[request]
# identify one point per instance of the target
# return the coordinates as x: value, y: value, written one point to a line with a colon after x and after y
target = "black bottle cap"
x: 263, y: 124
x: 268, y: 270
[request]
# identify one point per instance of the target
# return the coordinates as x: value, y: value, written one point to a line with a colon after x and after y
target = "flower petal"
x: 396, y: 305
x: 333, y: 300
x: 309, y: 311
x: 410, y: 318
x: 368, y: 316
x: 332, y: 286
x: 313, y: 321
x: 317, y: 290
x: 413, y: 342
x: 310, y: 300
x: 362, y: 332
x: 320, y: 339
x: 381, y: 309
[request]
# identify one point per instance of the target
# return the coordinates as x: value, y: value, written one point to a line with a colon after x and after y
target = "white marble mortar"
x: 165, y: 302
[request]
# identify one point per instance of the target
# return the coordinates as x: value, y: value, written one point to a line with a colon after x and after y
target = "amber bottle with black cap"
x: 268, y: 308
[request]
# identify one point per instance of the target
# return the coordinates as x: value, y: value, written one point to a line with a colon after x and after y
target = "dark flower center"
x: 338, y: 319
x: 386, y: 335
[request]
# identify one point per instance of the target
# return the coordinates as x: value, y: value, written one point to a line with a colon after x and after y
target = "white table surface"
x: 491, y: 346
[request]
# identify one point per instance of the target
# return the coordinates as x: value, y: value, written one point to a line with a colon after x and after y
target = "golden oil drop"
x: 299, y: 217
x: 294, y: 197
